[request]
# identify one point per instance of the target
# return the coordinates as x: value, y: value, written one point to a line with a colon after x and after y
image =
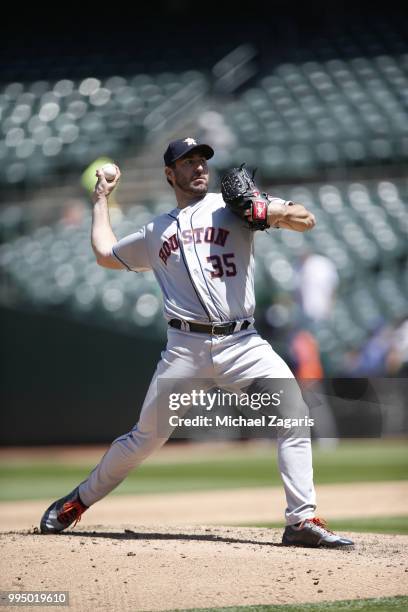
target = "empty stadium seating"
x: 362, y: 227
x: 58, y: 126
x: 290, y: 123
x: 322, y: 114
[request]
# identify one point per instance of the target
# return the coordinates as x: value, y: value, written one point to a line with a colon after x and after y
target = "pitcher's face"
x: 190, y: 174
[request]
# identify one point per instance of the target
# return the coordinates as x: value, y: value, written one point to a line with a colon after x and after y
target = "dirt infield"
x: 141, y: 568
x: 177, y: 559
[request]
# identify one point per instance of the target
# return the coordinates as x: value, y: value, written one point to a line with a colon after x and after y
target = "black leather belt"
x: 215, y: 329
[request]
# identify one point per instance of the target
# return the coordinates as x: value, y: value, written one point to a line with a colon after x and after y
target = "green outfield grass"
x: 383, y: 604
x: 392, y: 524
x: 359, y: 461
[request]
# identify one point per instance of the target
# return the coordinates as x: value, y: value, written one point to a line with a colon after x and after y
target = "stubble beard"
x: 194, y: 190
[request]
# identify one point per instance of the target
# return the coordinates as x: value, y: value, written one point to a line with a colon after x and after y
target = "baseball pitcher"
x: 202, y: 255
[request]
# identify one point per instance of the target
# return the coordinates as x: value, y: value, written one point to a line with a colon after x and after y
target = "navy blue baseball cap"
x: 178, y: 148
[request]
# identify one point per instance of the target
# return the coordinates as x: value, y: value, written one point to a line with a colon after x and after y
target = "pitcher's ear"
x: 169, y: 175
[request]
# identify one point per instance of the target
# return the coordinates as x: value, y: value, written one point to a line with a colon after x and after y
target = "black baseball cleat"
x: 313, y: 533
x: 62, y: 513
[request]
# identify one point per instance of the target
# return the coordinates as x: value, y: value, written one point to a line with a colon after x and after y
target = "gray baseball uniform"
x: 203, y: 259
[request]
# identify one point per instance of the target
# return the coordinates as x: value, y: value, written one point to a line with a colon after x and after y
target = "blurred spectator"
x: 308, y: 370
x: 306, y: 356
x: 317, y: 283
x: 371, y: 359
x: 397, y: 358
x: 73, y: 212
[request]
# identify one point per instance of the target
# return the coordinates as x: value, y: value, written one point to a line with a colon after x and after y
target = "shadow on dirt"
x: 129, y: 534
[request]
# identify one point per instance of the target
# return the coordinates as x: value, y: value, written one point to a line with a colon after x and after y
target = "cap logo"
x: 190, y: 141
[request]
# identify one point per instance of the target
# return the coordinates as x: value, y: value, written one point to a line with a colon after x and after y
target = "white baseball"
x: 109, y: 171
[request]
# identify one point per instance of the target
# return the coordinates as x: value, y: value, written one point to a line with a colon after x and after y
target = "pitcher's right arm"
x: 102, y: 236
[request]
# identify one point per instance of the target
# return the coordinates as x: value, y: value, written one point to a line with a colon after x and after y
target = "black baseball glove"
x: 243, y: 197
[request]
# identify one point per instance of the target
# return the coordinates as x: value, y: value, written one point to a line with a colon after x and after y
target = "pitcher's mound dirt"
x: 153, y: 568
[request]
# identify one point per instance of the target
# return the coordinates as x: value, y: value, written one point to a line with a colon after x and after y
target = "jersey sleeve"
x: 132, y: 251
x: 279, y: 200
